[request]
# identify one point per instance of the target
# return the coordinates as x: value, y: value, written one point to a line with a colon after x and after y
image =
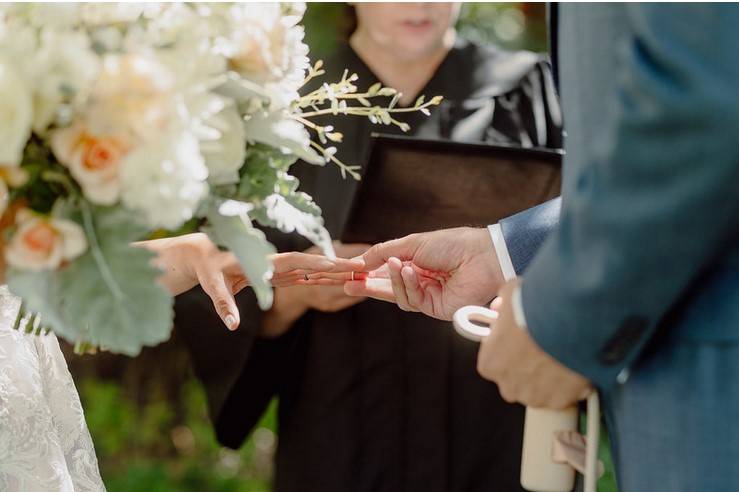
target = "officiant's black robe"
x: 373, y: 398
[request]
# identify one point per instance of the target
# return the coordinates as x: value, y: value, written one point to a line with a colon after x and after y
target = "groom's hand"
x: 523, y: 372
x: 435, y: 273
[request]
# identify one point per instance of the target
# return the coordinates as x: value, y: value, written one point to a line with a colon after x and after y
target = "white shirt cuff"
x: 517, y: 305
x: 501, y: 251
x: 506, y: 266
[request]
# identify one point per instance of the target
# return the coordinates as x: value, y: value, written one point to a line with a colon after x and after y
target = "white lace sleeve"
x: 44, y: 441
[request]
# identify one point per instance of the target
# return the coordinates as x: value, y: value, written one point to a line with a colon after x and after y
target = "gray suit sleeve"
x: 658, y: 208
x: 525, y: 232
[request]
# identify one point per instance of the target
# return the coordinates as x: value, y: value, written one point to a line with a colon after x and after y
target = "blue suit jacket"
x: 648, y: 234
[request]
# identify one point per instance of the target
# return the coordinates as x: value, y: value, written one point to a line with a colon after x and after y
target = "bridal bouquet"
x: 119, y: 121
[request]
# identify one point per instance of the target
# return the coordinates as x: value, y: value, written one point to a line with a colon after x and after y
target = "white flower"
x: 64, y: 69
x: 267, y: 47
x: 223, y: 145
x: 59, y: 15
x: 165, y: 180
x: 42, y: 243
x: 134, y: 97
x: 16, y: 112
x: 93, y: 160
x: 96, y: 13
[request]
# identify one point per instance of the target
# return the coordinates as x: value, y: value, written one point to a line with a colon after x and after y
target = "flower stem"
x: 97, y: 253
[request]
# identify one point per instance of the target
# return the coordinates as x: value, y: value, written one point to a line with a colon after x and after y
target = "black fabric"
x: 374, y: 399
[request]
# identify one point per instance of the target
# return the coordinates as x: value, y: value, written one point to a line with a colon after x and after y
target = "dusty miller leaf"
x: 79, y: 304
x: 231, y: 228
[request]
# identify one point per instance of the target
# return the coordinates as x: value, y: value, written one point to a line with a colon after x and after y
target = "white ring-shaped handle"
x: 463, y: 322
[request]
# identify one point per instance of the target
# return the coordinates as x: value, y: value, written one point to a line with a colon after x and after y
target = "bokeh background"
x: 148, y: 415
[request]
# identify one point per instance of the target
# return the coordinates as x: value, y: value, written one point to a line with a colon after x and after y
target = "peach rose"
x: 93, y: 160
x: 42, y: 243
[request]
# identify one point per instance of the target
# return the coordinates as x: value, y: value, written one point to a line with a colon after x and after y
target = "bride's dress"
x: 44, y: 441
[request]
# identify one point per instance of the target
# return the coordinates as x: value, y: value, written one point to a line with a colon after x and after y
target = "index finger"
x: 287, y: 262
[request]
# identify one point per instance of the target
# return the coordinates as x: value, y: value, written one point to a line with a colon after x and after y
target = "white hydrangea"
x: 266, y: 47
x: 165, y: 180
x: 60, y: 15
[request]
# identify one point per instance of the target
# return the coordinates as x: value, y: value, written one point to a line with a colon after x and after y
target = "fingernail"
x: 230, y: 322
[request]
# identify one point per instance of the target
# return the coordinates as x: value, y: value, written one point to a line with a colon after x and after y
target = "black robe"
x: 373, y: 398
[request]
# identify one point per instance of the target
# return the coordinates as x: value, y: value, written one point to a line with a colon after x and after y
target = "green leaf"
x: 280, y: 130
x: 230, y: 227
x: 295, y: 212
x: 109, y: 296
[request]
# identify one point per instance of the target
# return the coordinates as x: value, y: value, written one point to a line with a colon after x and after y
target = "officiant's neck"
x: 408, y: 73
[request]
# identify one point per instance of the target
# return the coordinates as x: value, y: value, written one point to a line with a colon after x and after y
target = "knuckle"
x: 507, y: 394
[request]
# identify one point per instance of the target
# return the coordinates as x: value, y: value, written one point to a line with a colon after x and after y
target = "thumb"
x: 223, y: 300
x: 380, y: 289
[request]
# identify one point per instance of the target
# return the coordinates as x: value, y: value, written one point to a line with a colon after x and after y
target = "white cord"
x: 593, y: 439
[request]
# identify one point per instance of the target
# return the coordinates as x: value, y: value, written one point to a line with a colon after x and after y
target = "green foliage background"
x: 148, y: 415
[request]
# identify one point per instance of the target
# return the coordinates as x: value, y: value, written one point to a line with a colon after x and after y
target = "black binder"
x: 417, y: 185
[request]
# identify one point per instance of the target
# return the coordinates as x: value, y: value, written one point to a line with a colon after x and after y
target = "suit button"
x: 625, y: 338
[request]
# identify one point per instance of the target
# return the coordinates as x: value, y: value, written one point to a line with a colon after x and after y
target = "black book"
x: 417, y: 185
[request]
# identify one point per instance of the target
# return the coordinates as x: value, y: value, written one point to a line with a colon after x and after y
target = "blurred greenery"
x: 148, y: 448
x: 148, y: 416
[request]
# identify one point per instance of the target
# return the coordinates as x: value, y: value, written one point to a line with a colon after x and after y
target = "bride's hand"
x: 193, y: 259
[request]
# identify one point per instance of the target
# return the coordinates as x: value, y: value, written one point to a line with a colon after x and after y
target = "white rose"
x: 165, y: 180
x: 16, y: 112
x: 42, y: 243
x: 93, y: 160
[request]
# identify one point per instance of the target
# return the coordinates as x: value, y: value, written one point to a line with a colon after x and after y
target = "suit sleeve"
x: 525, y: 232
x: 659, y: 205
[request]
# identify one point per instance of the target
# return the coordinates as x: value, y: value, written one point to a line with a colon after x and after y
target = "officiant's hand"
x: 524, y: 373
x: 291, y: 303
x: 193, y: 259
x: 435, y: 273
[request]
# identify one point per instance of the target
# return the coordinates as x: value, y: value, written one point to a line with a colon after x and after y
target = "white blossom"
x: 165, y: 180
